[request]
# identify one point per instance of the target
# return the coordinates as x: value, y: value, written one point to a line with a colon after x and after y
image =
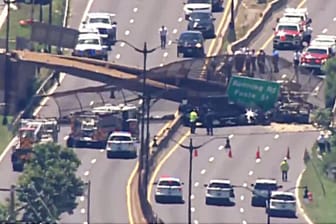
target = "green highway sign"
x: 253, y: 92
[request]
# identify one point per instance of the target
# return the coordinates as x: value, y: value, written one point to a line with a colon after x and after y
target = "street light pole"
x: 232, y: 22
x: 191, y: 149
x: 88, y: 205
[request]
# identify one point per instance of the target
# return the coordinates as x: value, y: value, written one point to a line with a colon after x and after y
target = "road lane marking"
x: 128, y: 193
x: 297, y: 184
x: 192, y: 197
x: 203, y: 171
x: 192, y: 209
x: 244, y: 184
x: 268, y: 41
x: 82, y: 210
x: 101, y: 150
x: 180, y: 19
x: 220, y: 147
x: 231, y: 136
x: 93, y: 161
x: 324, y: 30
x: 276, y: 136
x: 250, y: 173
x: 258, y: 160
x: 196, y: 184
x: 117, y: 56
x: 266, y: 148
x: 135, y: 9
x: 244, y: 222
x: 174, y: 31
x: 211, y: 159
x: 241, y: 210
x: 161, y: 65
x: 82, y: 198
x: 131, y: 21
x: 242, y: 197
x: 86, y: 173
x: 334, y: 19
x: 170, y: 42
x: 85, y: 222
x: 162, y: 161
x: 195, y: 221
x: 66, y: 137
x: 127, y: 32
x: 165, y: 54
x: 122, y: 44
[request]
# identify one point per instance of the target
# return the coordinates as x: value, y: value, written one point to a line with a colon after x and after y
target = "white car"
x: 89, y: 30
x: 302, y: 14
x: 197, y: 6
x: 169, y: 189
x: 119, y: 144
x: 261, y: 190
x: 91, y: 46
x: 282, y: 203
x: 104, y: 23
x: 325, y: 40
x: 219, y: 192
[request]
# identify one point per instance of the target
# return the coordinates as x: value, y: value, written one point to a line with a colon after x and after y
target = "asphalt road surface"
x: 137, y: 22
x: 213, y: 162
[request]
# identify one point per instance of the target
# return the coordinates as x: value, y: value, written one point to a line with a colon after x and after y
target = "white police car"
x: 90, y: 45
x: 119, y: 144
x: 282, y: 203
x: 169, y: 189
x: 219, y: 191
x: 197, y: 6
x: 262, y: 190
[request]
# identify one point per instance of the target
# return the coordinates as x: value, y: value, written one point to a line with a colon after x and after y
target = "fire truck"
x: 91, y: 128
x: 32, y: 132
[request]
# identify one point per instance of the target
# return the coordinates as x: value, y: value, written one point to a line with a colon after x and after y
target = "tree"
x: 330, y: 92
x: 323, y: 118
x: 49, y: 185
x: 3, y: 213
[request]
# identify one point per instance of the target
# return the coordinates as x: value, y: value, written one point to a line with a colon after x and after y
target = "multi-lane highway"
x: 138, y: 21
x: 213, y: 161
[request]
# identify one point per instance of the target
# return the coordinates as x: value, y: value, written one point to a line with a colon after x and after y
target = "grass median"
x: 26, y: 12
x: 322, y: 209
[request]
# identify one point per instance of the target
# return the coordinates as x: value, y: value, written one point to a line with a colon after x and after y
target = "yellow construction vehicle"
x: 31, y: 132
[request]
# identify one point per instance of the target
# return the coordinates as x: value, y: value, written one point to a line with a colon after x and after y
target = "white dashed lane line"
x: 334, y: 19
x: 196, y: 184
x: 244, y: 222
x: 192, y: 197
x: 82, y: 198
x: 93, y: 161
x: 127, y: 32
x: 324, y: 30
x: 117, y: 56
x: 66, y: 137
x: 165, y: 54
x: 241, y: 210
x: 86, y: 173
x: 245, y: 184
x: 242, y: 197
x: 258, y: 160
x: 122, y: 44
x: 135, y: 9
x: 102, y: 150
x: 192, y: 209
x: 82, y: 210
x: 220, y: 147
x: 161, y: 65
x: 231, y: 136
x: 131, y: 21
x: 180, y: 19
x: 174, y: 31
x: 250, y: 173
x: 276, y: 136
x: 203, y: 171
x: 266, y: 148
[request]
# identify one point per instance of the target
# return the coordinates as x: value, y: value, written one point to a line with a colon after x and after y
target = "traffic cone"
x: 288, y: 153
x: 195, y: 153
x: 230, y: 153
x: 258, y: 153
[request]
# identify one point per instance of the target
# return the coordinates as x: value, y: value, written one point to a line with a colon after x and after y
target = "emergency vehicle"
x: 289, y: 33
x: 316, y: 55
x: 92, y: 128
x: 302, y: 14
x: 282, y: 203
x: 31, y: 132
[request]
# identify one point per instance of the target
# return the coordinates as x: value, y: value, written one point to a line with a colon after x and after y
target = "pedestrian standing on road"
x: 296, y: 61
x: 209, y: 117
x: 248, y: 63
x: 253, y: 60
x: 275, y: 60
x: 193, y: 117
x: 284, y: 167
x: 163, y: 36
x: 113, y: 34
x: 261, y: 59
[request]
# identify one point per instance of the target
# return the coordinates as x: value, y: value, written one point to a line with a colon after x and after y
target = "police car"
x: 329, y: 40
x: 90, y: 45
x: 197, y: 6
x: 301, y: 13
x: 282, y: 203
x: 288, y: 34
x: 219, y: 191
x: 169, y: 189
x: 261, y: 190
x: 119, y: 144
x: 104, y: 23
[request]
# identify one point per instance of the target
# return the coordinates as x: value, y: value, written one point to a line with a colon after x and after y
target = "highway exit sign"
x: 252, y: 92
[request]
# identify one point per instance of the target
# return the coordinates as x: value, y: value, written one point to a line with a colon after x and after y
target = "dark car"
x: 190, y: 43
x: 203, y: 22
x: 217, y: 5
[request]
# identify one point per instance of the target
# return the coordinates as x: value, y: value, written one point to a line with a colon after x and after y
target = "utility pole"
x: 232, y: 22
x: 50, y: 20
x: 88, y: 202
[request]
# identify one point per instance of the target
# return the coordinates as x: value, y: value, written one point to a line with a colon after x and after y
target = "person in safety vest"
x: 284, y: 167
x: 193, y: 117
x: 163, y: 36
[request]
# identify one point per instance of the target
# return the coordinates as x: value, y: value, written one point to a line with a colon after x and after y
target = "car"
x: 203, y: 22
x: 217, y: 5
x: 282, y: 203
x: 262, y: 188
x: 197, y: 6
x: 89, y: 30
x: 315, y: 56
x: 190, y: 43
x: 90, y: 45
x: 104, y: 23
x: 120, y: 144
x: 325, y: 40
x: 219, y: 191
x: 301, y: 13
x: 169, y: 189
x: 288, y: 34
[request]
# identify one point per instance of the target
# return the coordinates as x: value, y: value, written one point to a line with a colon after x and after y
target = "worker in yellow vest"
x: 193, y: 117
x: 284, y: 169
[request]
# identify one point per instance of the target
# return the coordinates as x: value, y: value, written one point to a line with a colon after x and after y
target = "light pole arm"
x: 143, y: 51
